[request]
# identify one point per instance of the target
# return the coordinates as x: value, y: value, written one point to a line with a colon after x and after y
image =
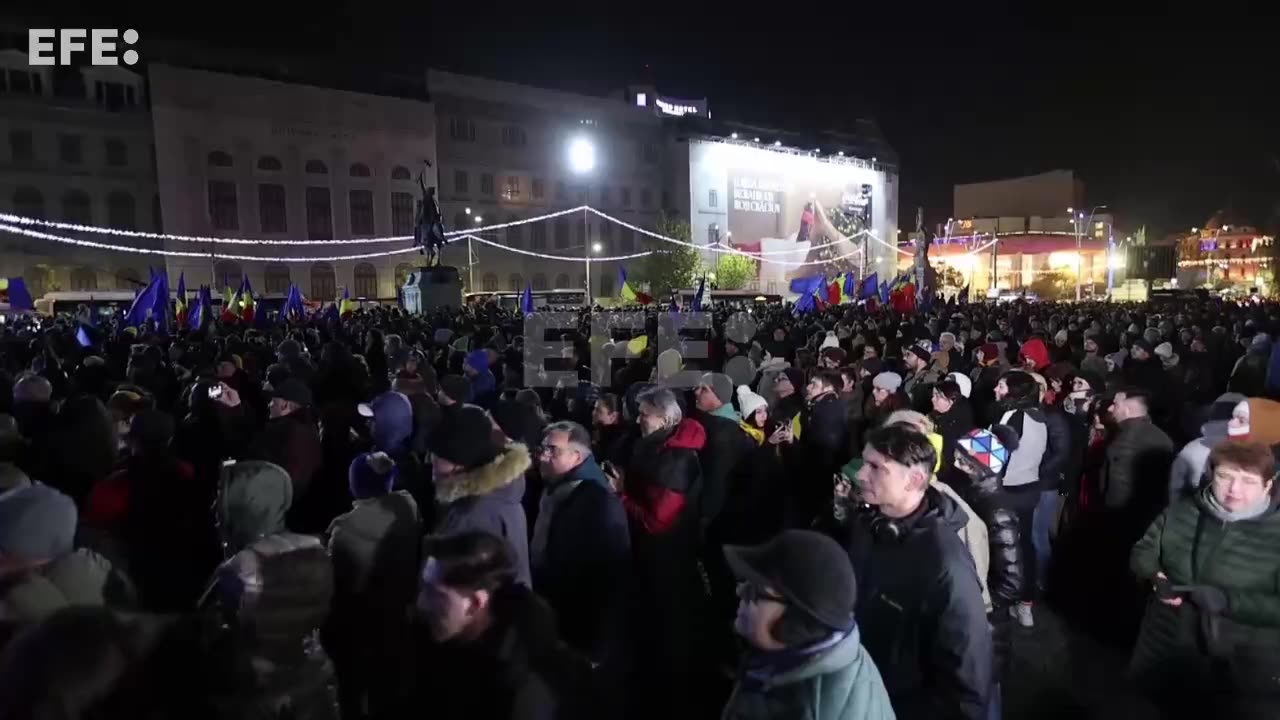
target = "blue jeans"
x: 994, y: 705
x: 1046, y: 508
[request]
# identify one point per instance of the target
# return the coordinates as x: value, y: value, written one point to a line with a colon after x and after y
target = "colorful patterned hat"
x: 986, y: 449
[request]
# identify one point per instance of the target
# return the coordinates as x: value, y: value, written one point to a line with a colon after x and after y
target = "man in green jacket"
x: 796, y: 596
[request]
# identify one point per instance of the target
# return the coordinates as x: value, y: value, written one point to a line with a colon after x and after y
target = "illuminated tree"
x: 1054, y: 285
x: 735, y: 272
x: 670, y: 267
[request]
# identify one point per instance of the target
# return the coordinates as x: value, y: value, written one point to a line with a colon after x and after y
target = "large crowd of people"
x: 847, y: 514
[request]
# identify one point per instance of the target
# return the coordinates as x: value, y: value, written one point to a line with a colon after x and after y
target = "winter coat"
x: 1133, y: 478
x: 1022, y: 472
x: 1057, y: 452
x: 517, y: 670
x: 818, y: 453
x: 292, y: 442
x: 837, y: 683
x: 974, y: 535
x: 81, y: 577
x: 918, y: 386
x: 613, y: 443
x: 1192, y: 462
x: 720, y: 457
x: 952, y: 425
x: 1185, y: 652
x: 253, y: 497
x: 488, y: 498
x: 584, y: 571
x: 921, y: 612
x: 753, y: 508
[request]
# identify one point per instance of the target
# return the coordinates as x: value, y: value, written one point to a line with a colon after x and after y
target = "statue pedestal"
x: 429, y: 288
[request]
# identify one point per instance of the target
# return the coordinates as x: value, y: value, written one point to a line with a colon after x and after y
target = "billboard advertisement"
x: 805, y: 215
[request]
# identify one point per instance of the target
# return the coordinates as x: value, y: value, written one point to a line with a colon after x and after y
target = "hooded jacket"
x: 921, y: 612
x: 489, y: 498
x: 839, y: 683
x: 1138, y: 459
x: 483, y: 384
x: 1034, y: 350
x: 253, y: 498
x: 392, y: 423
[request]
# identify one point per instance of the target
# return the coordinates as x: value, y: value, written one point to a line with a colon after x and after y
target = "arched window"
x: 402, y: 274
x: 270, y: 163
x: 515, y: 283
x: 228, y: 273
x: 626, y: 240
x: 400, y: 172
x: 218, y: 158
x: 324, y: 286
x: 316, y: 167
x: 515, y: 233
x: 128, y: 279
x: 28, y: 202
x: 360, y: 170
x: 489, y: 282
x: 83, y: 279
x: 275, y: 279
x: 539, y: 281
x: 366, y: 281
x: 122, y: 211
x: 538, y: 236
x: 562, y: 233
x: 76, y: 207
x: 562, y: 281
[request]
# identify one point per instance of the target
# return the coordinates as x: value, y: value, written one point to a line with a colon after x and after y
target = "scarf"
x: 763, y: 666
x: 754, y: 432
x: 727, y: 412
x: 1216, y: 509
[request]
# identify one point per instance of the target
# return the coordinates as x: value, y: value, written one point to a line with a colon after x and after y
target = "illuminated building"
x: 1223, y: 254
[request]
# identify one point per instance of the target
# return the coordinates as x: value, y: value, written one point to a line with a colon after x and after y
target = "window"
x: 515, y: 283
x: 486, y: 183
x: 316, y: 167
x: 582, y: 232
x: 626, y: 240
x: 401, y: 214
x: 462, y: 130
x: 218, y: 158
x: 223, y: 210
x: 270, y: 163
x: 606, y: 196
x: 460, y: 182
x: 562, y: 281
x: 39, y: 279
x: 128, y: 279
x: 272, y: 210
x: 515, y: 233
x: 562, y: 233
x: 114, y: 95
x: 83, y: 278
x: 117, y: 153
x: 606, y: 284
x: 21, y: 147
x: 539, y: 281
x: 28, y: 202
x: 646, y: 197
x: 70, y: 149
x: 229, y: 273
x: 626, y: 197
x: 275, y: 279
x: 402, y: 274
x: 713, y: 198
x: 512, y: 190
x: 22, y: 83
x: 649, y: 153
x: 76, y: 207
x: 538, y: 237
x: 561, y: 193
x: 122, y: 212
x: 361, y: 205
x: 360, y: 170
x: 319, y: 214
x: 323, y: 283
x: 489, y: 282
x: 400, y: 172
x: 606, y: 235
x: 513, y: 136
x: 539, y: 188
x: 366, y: 281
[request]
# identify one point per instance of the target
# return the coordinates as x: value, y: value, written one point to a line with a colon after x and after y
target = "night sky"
x: 1166, y: 121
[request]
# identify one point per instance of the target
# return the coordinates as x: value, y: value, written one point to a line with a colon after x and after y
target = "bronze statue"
x: 428, y: 231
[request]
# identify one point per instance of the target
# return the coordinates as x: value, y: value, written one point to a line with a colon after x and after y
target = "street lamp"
x: 596, y: 247
x: 1080, y: 243
x: 582, y: 160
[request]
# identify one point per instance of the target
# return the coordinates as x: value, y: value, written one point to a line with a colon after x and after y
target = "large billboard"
x: 805, y: 215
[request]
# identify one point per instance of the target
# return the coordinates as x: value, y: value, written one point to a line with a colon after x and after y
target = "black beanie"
x: 464, y: 436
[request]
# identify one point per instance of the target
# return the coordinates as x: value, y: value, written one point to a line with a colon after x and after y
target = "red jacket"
x: 656, y: 496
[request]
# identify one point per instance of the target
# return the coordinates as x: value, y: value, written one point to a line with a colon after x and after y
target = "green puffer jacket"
x: 1237, y: 652
x: 841, y: 683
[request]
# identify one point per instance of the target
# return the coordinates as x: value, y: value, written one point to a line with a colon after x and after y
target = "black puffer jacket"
x: 1057, y: 459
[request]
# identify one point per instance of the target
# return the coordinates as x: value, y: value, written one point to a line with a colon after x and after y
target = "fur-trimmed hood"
x: 503, y: 475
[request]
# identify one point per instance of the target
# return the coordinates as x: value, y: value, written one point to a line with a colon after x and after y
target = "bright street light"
x: 777, y: 143
x: 1070, y: 210
x: 596, y: 247
x: 468, y: 211
x: 733, y: 135
x: 479, y: 219
x: 582, y: 155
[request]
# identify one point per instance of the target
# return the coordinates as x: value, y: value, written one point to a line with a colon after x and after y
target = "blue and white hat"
x: 985, y: 449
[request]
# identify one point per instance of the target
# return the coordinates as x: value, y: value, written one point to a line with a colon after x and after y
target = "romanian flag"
x: 345, y: 306
x: 902, y: 296
x: 246, y: 301
x: 833, y: 292
x: 231, y: 304
x: 627, y: 293
x: 180, y: 305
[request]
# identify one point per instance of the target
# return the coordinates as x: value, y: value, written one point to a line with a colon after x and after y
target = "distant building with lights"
x: 1224, y: 255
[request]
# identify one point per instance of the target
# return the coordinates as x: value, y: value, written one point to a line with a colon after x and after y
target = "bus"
x: 510, y: 299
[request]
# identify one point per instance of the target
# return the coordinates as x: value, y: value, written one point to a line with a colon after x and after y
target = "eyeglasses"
x: 753, y: 593
x: 545, y: 449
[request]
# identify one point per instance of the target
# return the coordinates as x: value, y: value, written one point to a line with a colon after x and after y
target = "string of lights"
x: 530, y: 253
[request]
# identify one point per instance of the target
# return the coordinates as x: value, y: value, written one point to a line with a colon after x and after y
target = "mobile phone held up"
x: 215, y: 392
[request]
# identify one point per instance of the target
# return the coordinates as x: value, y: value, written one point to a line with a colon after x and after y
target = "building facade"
x: 253, y: 158
x: 1224, y: 255
x: 77, y: 148
x: 507, y: 153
